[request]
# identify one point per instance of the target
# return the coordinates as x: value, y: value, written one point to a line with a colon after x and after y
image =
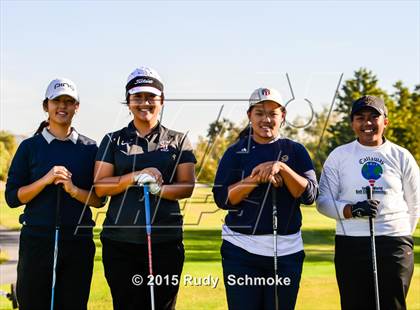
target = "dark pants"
x: 73, y: 273
x: 240, y: 264
x: 353, y: 266
x: 123, y: 261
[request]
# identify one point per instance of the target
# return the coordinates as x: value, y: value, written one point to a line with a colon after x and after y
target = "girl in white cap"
x: 144, y: 148
x: 52, y: 175
x: 261, y: 180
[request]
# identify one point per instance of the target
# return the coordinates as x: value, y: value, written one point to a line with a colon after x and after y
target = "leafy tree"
x: 4, y: 160
x: 222, y: 134
x: 363, y: 83
x: 404, y: 119
x: 210, y: 149
x: 290, y: 131
x: 314, y: 137
x: 403, y: 112
x: 7, y: 150
x: 328, y: 130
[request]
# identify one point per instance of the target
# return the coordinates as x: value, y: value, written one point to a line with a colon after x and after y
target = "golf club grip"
x: 147, y: 208
x: 369, y: 196
x: 274, y: 202
x: 369, y: 192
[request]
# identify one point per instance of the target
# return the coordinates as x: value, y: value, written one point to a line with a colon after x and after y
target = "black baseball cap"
x: 369, y: 101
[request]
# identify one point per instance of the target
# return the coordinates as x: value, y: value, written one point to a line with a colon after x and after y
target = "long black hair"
x: 43, y: 123
x: 247, y: 131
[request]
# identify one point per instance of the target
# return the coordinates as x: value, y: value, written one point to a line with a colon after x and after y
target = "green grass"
x: 9, y: 217
x: 202, y: 244
x: 4, y: 257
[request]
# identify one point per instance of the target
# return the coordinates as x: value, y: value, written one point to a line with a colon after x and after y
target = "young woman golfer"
x: 392, y: 174
x: 261, y: 180
x: 52, y: 175
x: 144, y: 151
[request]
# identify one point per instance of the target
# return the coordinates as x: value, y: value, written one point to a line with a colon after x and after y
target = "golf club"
x: 149, y: 240
x: 369, y: 193
x: 11, y: 296
x: 57, y: 232
x: 274, y: 198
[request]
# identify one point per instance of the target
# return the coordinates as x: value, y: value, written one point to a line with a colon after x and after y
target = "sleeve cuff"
x: 12, y: 199
x: 340, y: 208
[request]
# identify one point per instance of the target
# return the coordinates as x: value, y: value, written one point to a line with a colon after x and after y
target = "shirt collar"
x: 384, y: 143
x: 132, y: 131
x: 49, y: 137
x: 271, y: 141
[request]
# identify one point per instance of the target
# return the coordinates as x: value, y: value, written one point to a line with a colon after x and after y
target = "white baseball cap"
x: 144, y: 79
x: 265, y: 94
x: 62, y: 86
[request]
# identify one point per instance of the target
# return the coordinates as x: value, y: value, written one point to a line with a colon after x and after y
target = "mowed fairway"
x: 202, y: 244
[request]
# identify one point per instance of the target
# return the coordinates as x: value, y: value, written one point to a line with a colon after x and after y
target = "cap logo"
x: 369, y: 100
x: 265, y: 92
x: 146, y: 81
x: 57, y: 85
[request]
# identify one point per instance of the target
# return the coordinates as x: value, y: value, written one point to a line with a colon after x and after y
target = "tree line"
x: 328, y: 129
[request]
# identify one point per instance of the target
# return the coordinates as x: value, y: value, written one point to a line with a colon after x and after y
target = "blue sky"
x: 201, y: 49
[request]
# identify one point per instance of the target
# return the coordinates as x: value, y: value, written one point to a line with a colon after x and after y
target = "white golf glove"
x: 144, y: 178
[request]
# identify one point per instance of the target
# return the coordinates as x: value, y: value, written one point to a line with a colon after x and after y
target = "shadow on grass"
x: 204, y: 245
x: 416, y: 249
x: 319, y: 245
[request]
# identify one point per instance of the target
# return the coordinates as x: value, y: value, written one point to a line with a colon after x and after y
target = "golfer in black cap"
x: 144, y: 150
x: 371, y: 163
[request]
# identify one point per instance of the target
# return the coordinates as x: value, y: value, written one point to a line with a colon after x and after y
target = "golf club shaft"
x: 274, y: 198
x: 149, y: 241
x: 369, y: 193
x: 57, y: 232
x: 54, y: 268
